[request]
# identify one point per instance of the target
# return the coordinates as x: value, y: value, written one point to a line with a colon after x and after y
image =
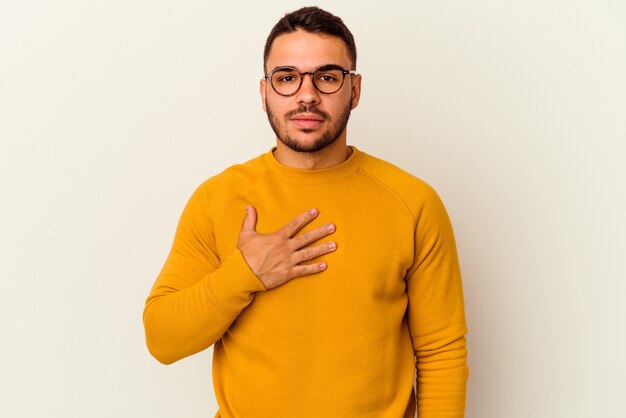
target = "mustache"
x: 307, y: 109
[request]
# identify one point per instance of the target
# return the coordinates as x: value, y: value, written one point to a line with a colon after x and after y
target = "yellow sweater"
x: 339, y: 344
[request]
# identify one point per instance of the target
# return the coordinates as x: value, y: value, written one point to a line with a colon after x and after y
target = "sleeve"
x: 436, y: 315
x: 196, y: 296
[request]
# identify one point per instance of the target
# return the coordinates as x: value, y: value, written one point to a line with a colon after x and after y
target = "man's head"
x: 308, y: 90
x: 312, y: 20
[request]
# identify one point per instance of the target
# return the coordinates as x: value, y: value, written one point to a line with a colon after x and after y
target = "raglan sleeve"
x: 436, y: 314
x: 196, y: 296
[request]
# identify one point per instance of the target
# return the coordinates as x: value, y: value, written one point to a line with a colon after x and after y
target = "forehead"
x: 305, y: 50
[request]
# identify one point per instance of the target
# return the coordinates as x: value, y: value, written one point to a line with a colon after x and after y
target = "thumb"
x: 249, y: 222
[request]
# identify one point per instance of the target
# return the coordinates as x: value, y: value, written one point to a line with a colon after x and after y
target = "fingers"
x: 298, y: 223
x: 311, y: 236
x: 281, y: 256
x: 249, y: 221
x: 308, y: 269
x: 310, y: 253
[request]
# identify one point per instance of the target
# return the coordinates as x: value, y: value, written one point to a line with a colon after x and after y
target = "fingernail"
x: 313, y: 212
x: 323, y: 266
x: 330, y: 228
x: 332, y: 245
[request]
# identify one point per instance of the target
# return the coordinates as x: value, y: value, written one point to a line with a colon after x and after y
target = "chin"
x: 309, y: 145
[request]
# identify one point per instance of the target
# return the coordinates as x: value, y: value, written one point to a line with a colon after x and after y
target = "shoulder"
x: 419, y: 198
x: 234, y: 180
x: 414, y: 192
x: 239, y: 175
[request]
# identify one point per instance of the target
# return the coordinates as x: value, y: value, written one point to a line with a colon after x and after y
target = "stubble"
x: 329, y: 136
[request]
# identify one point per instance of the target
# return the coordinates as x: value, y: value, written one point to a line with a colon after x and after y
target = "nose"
x: 308, y: 93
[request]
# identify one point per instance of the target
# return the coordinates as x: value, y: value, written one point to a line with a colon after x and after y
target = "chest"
x: 374, y: 234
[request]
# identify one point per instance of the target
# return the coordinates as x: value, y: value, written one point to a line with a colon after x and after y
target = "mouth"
x: 307, y: 120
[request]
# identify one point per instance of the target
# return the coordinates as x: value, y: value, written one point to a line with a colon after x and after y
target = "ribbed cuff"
x: 233, y: 284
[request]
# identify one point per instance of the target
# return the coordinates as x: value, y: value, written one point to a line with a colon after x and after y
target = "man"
x: 343, y: 280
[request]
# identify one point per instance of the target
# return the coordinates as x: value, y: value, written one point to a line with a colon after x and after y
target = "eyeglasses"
x: 327, y: 79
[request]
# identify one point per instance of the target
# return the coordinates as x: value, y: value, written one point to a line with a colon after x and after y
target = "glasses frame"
x: 344, y: 73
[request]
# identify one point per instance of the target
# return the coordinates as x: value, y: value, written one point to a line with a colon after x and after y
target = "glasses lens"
x: 328, y: 81
x: 286, y: 81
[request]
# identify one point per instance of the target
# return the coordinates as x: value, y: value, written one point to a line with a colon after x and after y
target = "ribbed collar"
x: 324, y: 175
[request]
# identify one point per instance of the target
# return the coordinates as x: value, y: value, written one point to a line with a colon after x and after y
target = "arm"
x: 197, y: 296
x: 436, y: 316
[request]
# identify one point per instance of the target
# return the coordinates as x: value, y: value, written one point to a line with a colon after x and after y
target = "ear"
x: 356, y: 90
x: 263, y: 91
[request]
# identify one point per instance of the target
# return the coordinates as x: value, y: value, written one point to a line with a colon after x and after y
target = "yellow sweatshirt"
x: 338, y: 344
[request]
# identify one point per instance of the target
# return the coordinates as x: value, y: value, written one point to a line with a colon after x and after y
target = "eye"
x: 286, y: 77
x: 327, y: 78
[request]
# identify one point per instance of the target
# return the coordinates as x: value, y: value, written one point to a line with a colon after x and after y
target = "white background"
x: 112, y: 112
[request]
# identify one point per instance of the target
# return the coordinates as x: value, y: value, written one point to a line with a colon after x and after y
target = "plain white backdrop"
x: 112, y: 112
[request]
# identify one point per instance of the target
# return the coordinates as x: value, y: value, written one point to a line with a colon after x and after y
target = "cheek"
x: 277, y: 107
x: 339, y: 106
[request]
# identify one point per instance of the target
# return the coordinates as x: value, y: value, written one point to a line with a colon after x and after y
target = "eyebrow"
x: 325, y: 67
x: 328, y: 67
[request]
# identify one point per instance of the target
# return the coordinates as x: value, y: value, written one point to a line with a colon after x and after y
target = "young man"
x: 343, y: 280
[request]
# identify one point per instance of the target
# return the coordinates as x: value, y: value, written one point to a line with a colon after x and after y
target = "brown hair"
x: 314, y: 20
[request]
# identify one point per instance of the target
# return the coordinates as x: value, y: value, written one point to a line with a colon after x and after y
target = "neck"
x: 332, y: 155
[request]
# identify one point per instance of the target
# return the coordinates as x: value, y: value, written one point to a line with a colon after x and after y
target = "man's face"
x: 309, y: 120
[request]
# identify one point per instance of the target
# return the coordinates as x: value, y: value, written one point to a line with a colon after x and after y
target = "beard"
x: 329, y: 136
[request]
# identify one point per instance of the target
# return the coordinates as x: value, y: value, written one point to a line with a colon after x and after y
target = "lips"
x: 307, y: 121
